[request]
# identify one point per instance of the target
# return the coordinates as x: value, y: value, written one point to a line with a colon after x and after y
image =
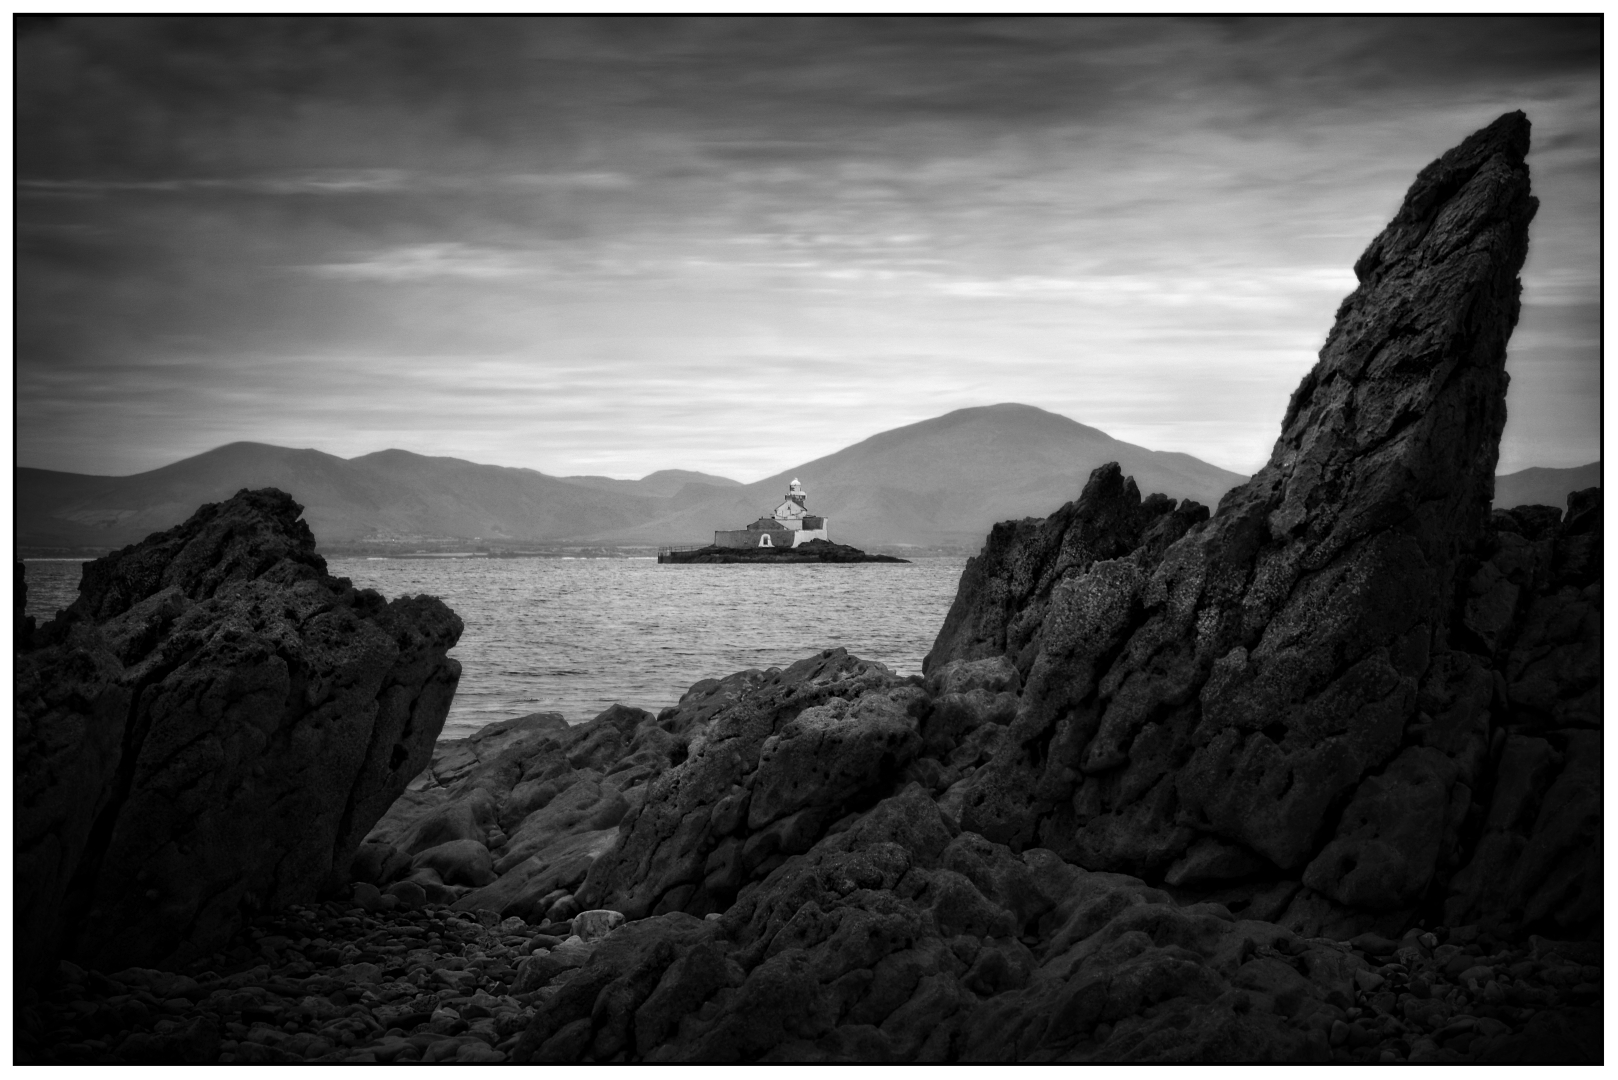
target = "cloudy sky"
x: 620, y: 245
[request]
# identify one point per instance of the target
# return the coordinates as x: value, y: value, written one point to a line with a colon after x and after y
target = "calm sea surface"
x: 576, y: 635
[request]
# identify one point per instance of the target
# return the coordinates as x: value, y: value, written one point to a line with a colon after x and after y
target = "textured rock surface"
x: 794, y: 751
x: 210, y: 730
x: 1534, y: 859
x: 69, y: 709
x: 1287, y: 681
x: 548, y: 801
x: 534, y: 800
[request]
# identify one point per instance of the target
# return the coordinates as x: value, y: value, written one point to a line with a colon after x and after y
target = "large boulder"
x: 787, y: 755
x: 209, y: 730
x: 525, y: 807
x: 898, y: 939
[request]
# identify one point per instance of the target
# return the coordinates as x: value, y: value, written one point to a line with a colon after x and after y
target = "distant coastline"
x: 62, y: 515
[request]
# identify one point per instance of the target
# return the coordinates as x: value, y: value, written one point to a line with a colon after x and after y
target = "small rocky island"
x: 813, y: 551
x: 1316, y: 777
x: 789, y: 534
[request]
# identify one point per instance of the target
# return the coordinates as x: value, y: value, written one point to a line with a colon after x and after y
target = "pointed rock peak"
x: 1411, y: 382
x: 242, y: 538
x: 1240, y: 678
x: 1495, y: 153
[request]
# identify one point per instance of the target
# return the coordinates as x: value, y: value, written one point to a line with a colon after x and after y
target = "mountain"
x: 949, y: 479
x: 1544, y: 487
x: 390, y: 495
x: 661, y: 484
x: 940, y: 482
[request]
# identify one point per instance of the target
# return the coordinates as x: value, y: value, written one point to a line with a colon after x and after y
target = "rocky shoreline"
x: 1316, y: 777
x: 390, y: 975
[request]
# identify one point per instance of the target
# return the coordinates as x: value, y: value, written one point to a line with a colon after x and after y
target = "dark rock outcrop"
x: 533, y: 799
x: 650, y: 815
x: 1531, y: 850
x: 208, y: 731
x: 1284, y: 690
x: 794, y: 751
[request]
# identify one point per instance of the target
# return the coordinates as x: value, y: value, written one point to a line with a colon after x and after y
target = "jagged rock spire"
x: 1235, y: 691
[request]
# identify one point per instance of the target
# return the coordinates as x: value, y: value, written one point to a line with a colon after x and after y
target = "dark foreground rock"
x: 1347, y: 677
x: 815, y: 551
x: 895, y: 938
x: 209, y: 731
x: 884, y: 934
x: 512, y: 819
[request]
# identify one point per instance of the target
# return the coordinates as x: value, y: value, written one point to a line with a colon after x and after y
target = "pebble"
x: 340, y: 982
x: 1436, y: 1000
x: 593, y: 925
x: 1368, y: 980
x: 334, y: 982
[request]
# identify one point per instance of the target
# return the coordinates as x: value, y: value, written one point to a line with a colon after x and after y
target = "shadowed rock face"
x: 1243, y: 684
x: 789, y: 753
x: 210, y: 730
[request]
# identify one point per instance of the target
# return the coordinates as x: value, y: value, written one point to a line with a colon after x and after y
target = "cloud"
x: 581, y: 243
x: 598, y: 181
x: 1251, y: 290
x: 334, y: 182
x: 421, y: 262
x: 368, y: 182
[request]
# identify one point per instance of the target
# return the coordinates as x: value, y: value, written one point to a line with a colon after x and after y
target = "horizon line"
x: 743, y: 483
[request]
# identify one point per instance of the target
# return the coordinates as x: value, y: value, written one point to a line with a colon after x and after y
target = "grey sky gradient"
x: 619, y: 245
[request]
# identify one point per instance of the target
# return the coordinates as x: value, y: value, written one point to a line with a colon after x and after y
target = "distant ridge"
x: 949, y: 479
x: 389, y: 495
x: 942, y: 482
x: 1544, y: 487
x: 660, y: 484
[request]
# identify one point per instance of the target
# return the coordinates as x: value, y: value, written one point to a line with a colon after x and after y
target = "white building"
x: 789, y: 525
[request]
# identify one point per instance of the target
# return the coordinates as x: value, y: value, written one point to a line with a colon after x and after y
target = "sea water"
x: 576, y: 635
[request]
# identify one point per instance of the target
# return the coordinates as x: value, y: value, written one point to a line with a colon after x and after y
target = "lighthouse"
x: 788, y: 525
x: 792, y: 509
